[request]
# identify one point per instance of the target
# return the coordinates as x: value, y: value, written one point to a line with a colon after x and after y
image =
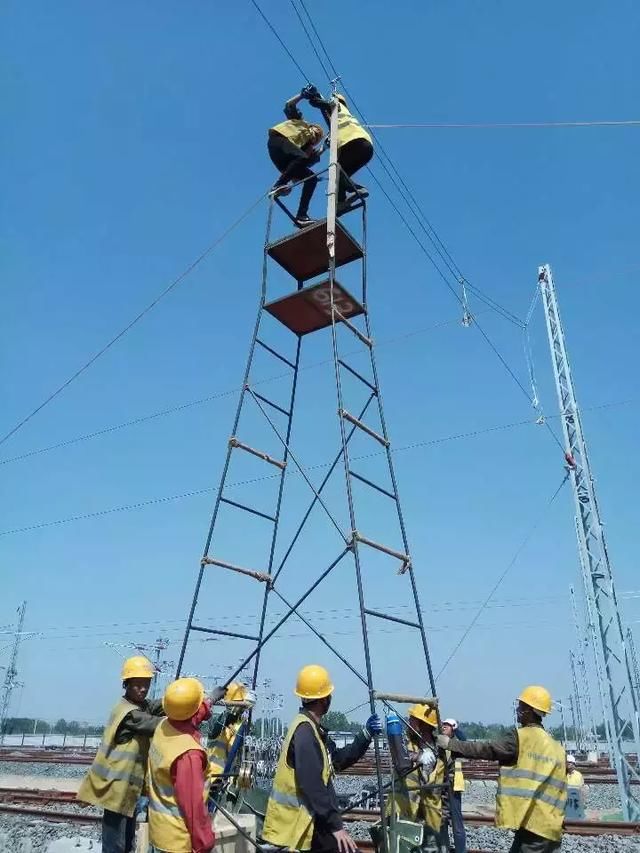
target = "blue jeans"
x: 118, y: 832
x: 457, y: 824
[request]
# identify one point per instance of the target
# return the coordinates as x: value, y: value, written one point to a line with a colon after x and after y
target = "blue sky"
x: 136, y: 135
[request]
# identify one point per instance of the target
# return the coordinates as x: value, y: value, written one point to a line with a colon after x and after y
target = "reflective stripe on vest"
x: 349, y: 128
x: 458, y: 778
x: 220, y: 748
x: 116, y: 777
x: 287, y: 822
x: 296, y: 130
x: 416, y: 804
x: 532, y: 794
x: 167, y: 829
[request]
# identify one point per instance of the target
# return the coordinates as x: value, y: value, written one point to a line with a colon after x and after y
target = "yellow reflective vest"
x: 575, y: 779
x: 296, y: 130
x: 167, y: 829
x: 287, y: 822
x: 116, y: 776
x: 458, y: 778
x: 532, y: 793
x: 219, y: 750
x: 416, y: 804
x: 349, y: 128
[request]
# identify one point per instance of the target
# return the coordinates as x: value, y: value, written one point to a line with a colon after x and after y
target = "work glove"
x: 394, y: 725
x: 309, y: 91
x: 443, y: 741
x: 373, y: 725
x: 427, y: 760
x: 217, y: 694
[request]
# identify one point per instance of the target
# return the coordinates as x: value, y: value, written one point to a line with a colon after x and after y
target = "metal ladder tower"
x: 633, y: 660
x: 317, y: 303
x: 620, y: 705
x: 582, y: 688
x: 10, y: 678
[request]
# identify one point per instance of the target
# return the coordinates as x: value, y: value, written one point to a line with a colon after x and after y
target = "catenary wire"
x: 501, y: 125
x: 501, y: 578
x: 176, y: 281
x: 282, y: 43
x: 309, y: 39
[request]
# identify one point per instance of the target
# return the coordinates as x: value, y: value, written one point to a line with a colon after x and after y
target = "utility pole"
x: 620, y: 702
x: 582, y: 688
x: 10, y: 679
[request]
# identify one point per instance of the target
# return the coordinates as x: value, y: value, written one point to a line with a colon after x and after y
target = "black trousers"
x: 118, y: 832
x: 323, y: 840
x: 527, y: 842
x: 352, y: 156
x: 293, y: 165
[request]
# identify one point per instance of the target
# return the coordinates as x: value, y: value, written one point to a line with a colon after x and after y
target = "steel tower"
x: 620, y: 704
x: 10, y: 679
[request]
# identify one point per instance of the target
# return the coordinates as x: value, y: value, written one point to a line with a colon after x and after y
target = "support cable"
x: 282, y: 43
x: 176, y: 281
x: 499, y: 581
x: 309, y: 38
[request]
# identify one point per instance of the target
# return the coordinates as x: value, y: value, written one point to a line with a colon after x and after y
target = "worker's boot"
x: 279, y: 189
x: 303, y: 220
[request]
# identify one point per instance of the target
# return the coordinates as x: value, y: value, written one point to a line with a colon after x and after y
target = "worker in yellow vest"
x: 116, y: 777
x: 576, y: 791
x: 575, y: 779
x: 179, y: 821
x: 532, y: 787
x: 302, y: 812
x: 418, y: 765
x: 454, y: 797
x: 355, y: 148
x: 224, y: 732
x: 292, y: 146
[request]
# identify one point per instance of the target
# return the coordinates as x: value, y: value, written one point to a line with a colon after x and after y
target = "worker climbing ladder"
x: 319, y: 302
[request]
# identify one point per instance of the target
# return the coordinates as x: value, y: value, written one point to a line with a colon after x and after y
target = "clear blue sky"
x: 135, y: 135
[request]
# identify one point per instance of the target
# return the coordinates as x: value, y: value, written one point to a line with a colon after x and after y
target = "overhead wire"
x: 165, y: 292
x: 486, y: 125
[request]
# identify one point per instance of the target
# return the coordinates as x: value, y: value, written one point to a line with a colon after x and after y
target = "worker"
x: 226, y: 733
x: 575, y: 779
x: 116, y: 777
x: 576, y: 791
x: 417, y: 766
x: 178, y: 789
x: 292, y: 146
x: 532, y: 788
x: 355, y: 148
x: 303, y: 812
x: 450, y: 728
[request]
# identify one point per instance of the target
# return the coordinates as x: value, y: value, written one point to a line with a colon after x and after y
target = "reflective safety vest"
x: 458, y: 778
x: 575, y: 779
x: 296, y: 130
x: 167, y: 829
x: 532, y: 793
x: 349, y: 128
x: 219, y: 750
x: 412, y: 803
x: 288, y: 822
x: 116, y: 776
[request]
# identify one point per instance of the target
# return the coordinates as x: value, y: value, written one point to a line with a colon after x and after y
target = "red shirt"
x: 187, y: 775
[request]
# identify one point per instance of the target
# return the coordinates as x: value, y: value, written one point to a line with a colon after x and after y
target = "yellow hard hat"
x: 182, y: 698
x: 137, y: 667
x: 313, y: 682
x: 537, y: 698
x: 235, y: 692
x: 425, y: 713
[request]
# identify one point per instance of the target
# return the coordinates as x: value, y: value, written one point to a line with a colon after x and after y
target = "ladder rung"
x: 410, y: 700
x: 365, y: 340
x: 276, y: 354
x: 233, y: 442
x: 248, y: 509
x: 358, y: 376
x: 353, y: 420
x: 224, y: 633
x: 405, y: 558
x: 373, y: 485
x: 259, y: 576
x: 397, y: 619
x: 271, y: 403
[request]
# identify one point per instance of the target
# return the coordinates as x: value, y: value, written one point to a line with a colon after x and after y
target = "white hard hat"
x: 450, y: 722
x: 571, y: 759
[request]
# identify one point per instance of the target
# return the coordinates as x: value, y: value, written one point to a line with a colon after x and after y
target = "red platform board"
x: 309, y: 309
x: 304, y: 254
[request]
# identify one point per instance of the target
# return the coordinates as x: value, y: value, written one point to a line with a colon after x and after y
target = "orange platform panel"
x: 304, y: 254
x: 309, y: 309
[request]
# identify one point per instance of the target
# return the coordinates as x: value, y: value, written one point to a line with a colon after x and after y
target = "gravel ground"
x: 36, y: 768
x: 603, y: 797
x: 23, y: 835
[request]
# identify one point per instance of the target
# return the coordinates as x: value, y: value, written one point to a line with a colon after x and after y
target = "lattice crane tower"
x: 620, y: 701
x: 10, y: 678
